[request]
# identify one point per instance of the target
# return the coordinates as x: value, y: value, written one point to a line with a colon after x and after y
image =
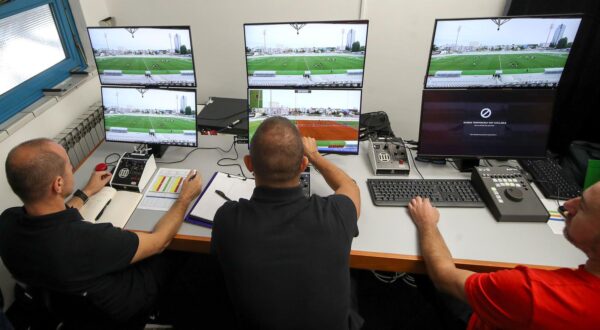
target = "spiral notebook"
x: 220, y: 187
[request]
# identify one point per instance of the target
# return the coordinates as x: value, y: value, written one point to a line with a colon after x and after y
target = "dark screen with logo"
x: 485, y: 123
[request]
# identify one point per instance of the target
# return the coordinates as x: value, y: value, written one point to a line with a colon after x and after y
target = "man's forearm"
x: 170, y: 223
x: 439, y: 263
x: 332, y: 174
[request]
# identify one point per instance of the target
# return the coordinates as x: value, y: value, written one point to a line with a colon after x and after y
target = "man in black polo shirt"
x: 285, y: 258
x: 45, y: 243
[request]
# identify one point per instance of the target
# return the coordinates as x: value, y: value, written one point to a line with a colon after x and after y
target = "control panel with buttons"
x: 133, y: 171
x: 508, y: 195
x: 388, y: 156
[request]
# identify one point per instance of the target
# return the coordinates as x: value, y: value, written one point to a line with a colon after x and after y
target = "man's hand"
x: 192, y: 185
x: 310, y: 148
x: 423, y: 213
x: 97, y: 181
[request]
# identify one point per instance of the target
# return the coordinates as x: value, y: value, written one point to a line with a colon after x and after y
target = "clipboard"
x: 205, y: 207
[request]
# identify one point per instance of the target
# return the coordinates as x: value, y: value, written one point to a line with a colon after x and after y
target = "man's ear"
x: 248, y: 162
x: 58, y: 185
x: 303, y: 164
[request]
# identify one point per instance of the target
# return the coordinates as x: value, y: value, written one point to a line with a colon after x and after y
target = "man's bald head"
x: 32, y: 166
x: 276, y: 150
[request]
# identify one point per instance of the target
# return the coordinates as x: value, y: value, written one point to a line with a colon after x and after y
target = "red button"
x: 101, y: 167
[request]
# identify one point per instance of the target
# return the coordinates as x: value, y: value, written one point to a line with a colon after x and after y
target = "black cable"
x: 232, y: 159
x: 110, y: 155
x: 200, y: 148
x: 415, y: 164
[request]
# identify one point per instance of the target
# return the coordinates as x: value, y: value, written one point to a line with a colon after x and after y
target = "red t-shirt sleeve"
x: 501, y: 299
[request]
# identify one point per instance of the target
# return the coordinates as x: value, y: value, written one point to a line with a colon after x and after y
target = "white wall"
x: 399, y: 39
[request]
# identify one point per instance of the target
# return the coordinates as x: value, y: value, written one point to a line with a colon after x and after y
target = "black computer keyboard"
x: 445, y: 193
x: 552, y: 180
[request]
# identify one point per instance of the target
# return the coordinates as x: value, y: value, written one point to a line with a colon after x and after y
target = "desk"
x: 388, y: 238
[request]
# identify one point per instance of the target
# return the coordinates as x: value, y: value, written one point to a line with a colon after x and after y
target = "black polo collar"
x: 276, y: 194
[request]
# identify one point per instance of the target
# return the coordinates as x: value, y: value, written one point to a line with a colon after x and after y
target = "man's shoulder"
x: 12, y: 213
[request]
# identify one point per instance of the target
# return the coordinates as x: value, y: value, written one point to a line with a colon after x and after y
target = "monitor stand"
x: 465, y: 164
x: 157, y: 149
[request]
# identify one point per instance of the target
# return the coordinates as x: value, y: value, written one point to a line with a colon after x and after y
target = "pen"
x: 222, y: 194
x: 102, y: 211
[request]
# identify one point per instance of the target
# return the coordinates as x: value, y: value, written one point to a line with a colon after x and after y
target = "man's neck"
x: 279, y: 185
x: 593, y: 266
x: 44, y: 207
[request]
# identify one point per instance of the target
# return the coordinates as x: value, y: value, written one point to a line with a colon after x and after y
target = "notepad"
x: 110, y: 205
x: 232, y: 186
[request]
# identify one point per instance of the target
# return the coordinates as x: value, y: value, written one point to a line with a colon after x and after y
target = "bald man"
x: 46, y: 244
x: 285, y: 257
x: 522, y: 298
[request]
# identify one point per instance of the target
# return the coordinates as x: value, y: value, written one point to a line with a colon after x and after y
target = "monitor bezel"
x: 171, y: 27
x: 249, y: 110
x: 161, y: 89
x: 490, y: 156
x: 435, y: 25
x: 362, y: 83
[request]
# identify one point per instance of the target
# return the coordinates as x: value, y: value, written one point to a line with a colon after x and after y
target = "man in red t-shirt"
x: 522, y: 298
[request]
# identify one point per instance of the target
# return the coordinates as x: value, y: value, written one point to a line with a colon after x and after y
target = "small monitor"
x: 144, y: 56
x: 516, y: 52
x: 306, y: 54
x: 329, y: 116
x: 485, y: 123
x: 150, y: 116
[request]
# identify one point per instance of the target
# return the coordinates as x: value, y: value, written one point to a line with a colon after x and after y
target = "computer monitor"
x: 306, y: 54
x: 144, y: 56
x: 485, y: 123
x: 500, y: 52
x: 329, y: 116
x: 157, y: 117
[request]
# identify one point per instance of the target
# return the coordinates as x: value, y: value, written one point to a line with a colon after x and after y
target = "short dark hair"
x: 276, y: 150
x: 30, y: 175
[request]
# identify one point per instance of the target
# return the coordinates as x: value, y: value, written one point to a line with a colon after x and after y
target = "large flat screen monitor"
x: 500, y: 52
x: 306, y: 54
x: 486, y: 123
x: 151, y: 116
x: 144, y: 56
x: 329, y: 116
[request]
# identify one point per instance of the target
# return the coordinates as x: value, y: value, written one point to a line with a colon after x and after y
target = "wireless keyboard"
x: 552, y: 180
x: 442, y: 193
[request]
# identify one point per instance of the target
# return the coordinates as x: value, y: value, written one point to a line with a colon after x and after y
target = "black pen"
x: 102, y: 211
x: 222, y: 194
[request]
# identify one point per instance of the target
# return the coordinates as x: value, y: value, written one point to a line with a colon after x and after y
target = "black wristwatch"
x: 81, y: 195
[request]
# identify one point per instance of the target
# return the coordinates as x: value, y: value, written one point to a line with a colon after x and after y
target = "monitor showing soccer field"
x: 329, y: 116
x: 306, y: 54
x: 501, y: 52
x: 144, y: 56
x: 151, y: 116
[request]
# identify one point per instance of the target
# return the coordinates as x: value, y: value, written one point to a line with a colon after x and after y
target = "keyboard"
x: 442, y: 193
x: 551, y: 179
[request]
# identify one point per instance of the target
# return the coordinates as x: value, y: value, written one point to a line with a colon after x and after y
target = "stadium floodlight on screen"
x: 329, y: 116
x: 503, y: 52
x: 150, y: 116
x: 306, y: 54
x: 144, y: 56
